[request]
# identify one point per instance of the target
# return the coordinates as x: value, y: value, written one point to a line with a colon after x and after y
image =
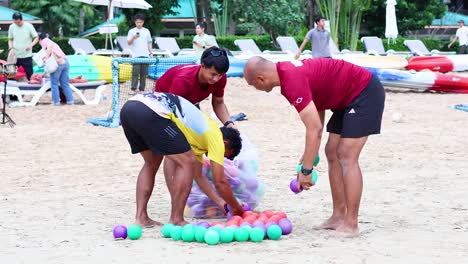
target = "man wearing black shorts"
x: 357, y: 100
x: 156, y: 137
x: 159, y: 125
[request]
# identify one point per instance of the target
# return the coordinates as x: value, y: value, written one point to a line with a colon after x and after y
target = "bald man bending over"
x: 356, y: 99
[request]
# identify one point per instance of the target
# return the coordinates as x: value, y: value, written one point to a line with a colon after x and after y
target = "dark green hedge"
x: 263, y: 42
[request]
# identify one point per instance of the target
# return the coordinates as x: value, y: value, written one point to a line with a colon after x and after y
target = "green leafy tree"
x: 220, y: 18
x: 153, y: 15
x: 59, y: 17
x: 411, y: 15
x: 345, y: 19
x: 276, y: 17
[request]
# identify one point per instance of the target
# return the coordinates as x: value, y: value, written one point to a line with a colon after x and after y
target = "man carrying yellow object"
x: 163, y: 124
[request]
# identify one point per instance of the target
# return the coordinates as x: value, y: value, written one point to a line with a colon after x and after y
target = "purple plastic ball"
x: 257, y: 223
x: 228, y: 216
x: 234, y: 182
x: 246, y: 224
x: 252, y: 184
x: 191, y: 201
x: 293, y: 186
x: 120, y: 232
x: 246, y: 207
x: 260, y: 225
x: 286, y: 226
x: 198, y: 211
x: 204, y: 224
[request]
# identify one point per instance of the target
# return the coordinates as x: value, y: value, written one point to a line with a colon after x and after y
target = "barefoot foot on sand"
x: 346, y: 231
x: 331, y: 223
x: 147, y: 223
x: 179, y: 223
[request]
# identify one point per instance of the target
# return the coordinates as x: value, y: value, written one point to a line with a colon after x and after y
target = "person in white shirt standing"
x: 462, y: 36
x: 201, y: 41
x: 140, y: 42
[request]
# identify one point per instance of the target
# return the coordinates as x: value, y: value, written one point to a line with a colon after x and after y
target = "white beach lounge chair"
x: 213, y: 41
x: 288, y: 44
x: 418, y: 48
x: 84, y: 46
x: 170, y: 46
x: 38, y: 90
x: 249, y: 47
x: 374, y: 46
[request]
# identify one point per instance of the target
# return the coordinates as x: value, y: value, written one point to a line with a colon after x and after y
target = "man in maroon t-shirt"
x: 195, y: 82
x: 356, y: 98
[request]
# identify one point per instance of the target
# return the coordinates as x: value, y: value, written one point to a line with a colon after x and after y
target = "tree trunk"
x: 310, y: 13
x: 82, y: 15
x: 209, y: 22
x: 273, y: 37
x: 199, y: 8
x: 232, y: 26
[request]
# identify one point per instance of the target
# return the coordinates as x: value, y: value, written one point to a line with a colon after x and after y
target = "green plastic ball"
x: 257, y: 234
x: 215, y: 228
x: 166, y: 230
x: 200, y: 233
x: 314, y: 176
x: 134, y: 232
x: 226, y: 235
x: 246, y: 227
x: 314, y: 172
x: 274, y: 232
x: 188, y: 226
x: 241, y: 234
x: 176, y: 233
x: 316, y: 160
x: 211, y: 237
x: 188, y: 233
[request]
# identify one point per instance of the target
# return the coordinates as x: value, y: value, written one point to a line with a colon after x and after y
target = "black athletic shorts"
x: 145, y: 130
x: 363, y: 116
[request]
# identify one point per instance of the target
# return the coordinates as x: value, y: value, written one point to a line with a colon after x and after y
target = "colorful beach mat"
x: 93, y: 68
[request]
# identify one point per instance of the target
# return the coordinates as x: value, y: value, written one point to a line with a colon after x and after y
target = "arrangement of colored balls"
x: 251, y: 226
x: 133, y: 232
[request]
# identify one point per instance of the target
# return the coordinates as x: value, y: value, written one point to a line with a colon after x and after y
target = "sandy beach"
x: 66, y: 183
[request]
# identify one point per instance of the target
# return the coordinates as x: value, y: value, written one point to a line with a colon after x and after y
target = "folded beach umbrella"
x: 391, y: 28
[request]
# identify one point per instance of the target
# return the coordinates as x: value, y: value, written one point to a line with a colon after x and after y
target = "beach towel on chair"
x: 20, y: 73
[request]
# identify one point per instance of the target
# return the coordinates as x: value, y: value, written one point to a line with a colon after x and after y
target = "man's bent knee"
x: 346, y: 154
x: 331, y: 152
x: 184, y: 159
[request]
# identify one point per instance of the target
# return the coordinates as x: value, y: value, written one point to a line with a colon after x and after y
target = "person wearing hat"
x: 462, y: 36
x: 22, y: 37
